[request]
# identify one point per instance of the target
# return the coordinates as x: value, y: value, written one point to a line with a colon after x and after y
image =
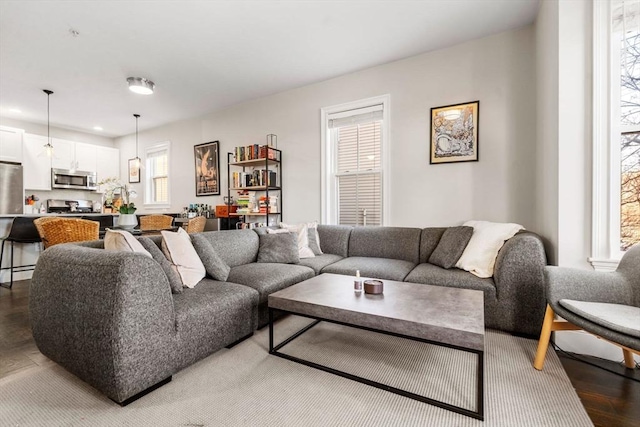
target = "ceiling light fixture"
x: 98, y: 128
x: 138, y: 162
x: 15, y: 110
x: 141, y: 85
x: 48, y: 147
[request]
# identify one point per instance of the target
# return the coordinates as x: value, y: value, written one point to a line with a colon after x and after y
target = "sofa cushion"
x: 334, y: 239
x: 320, y: 261
x: 268, y: 278
x: 213, y: 264
x: 210, y: 316
x: 279, y: 247
x: 121, y: 240
x: 429, y: 239
x: 302, y: 233
x: 621, y: 318
x: 378, y: 268
x: 179, y: 250
x: 479, y: 257
x: 174, y: 280
x: 430, y: 274
x: 314, y: 238
x: 386, y: 242
x: 451, y: 246
x: 235, y: 247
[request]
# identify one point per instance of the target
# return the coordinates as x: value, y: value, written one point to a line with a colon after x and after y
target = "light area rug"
x: 245, y: 386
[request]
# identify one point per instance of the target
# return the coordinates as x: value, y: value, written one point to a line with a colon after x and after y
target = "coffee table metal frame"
x: 478, y: 414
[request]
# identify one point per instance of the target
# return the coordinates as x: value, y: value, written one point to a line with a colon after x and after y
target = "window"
x: 157, y: 175
x: 354, y: 155
x: 616, y: 190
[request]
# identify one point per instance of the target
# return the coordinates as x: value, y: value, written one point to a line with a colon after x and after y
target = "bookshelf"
x: 254, y: 181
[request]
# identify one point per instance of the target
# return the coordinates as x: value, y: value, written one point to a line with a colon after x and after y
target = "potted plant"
x: 123, y: 204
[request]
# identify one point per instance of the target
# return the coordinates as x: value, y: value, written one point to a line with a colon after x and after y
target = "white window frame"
x: 329, y: 158
x: 605, y: 231
x: 148, y: 203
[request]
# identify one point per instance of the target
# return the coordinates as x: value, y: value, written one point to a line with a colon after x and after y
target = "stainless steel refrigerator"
x: 11, y: 190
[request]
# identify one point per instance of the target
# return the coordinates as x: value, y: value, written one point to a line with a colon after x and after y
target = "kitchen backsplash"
x: 62, y: 195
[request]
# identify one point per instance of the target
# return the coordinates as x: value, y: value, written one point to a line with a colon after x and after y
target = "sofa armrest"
x: 105, y: 316
x: 586, y: 285
x: 519, y: 281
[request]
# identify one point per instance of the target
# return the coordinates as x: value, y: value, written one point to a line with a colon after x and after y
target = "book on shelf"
x: 253, y: 152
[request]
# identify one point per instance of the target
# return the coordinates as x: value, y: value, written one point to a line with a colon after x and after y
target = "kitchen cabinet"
x: 36, y: 165
x: 11, y: 144
x: 86, y: 157
x: 64, y: 154
x: 109, y: 162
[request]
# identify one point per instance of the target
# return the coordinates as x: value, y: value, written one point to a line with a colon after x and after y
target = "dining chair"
x: 54, y: 231
x: 196, y: 225
x: 155, y: 222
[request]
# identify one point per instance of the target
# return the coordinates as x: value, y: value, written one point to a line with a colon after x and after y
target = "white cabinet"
x: 108, y: 164
x: 86, y: 157
x: 64, y: 154
x: 74, y: 155
x: 36, y: 165
x: 11, y: 144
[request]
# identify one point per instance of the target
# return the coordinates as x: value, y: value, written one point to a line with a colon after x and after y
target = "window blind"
x: 354, y: 117
x: 158, y: 164
x: 359, y: 173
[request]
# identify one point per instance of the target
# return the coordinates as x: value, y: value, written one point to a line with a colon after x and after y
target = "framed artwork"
x: 454, y: 133
x: 134, y: 171
x: 207, y: 158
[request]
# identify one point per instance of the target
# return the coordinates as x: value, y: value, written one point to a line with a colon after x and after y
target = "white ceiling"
x: 207, y: 55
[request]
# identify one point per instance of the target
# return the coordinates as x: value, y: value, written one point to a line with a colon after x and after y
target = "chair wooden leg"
x: 545, y: 336
x: 628, y: 359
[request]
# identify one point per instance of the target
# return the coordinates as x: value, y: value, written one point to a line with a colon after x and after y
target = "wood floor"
x: 610, y: 400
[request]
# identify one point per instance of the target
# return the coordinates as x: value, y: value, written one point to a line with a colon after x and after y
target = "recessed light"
x: 15, y: 110
x: 97, y: 128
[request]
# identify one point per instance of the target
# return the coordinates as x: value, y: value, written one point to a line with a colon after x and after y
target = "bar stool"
x: 22, y: 231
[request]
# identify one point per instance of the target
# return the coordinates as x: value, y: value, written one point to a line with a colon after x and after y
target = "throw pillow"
x: 213, y: 264
x: 479, y: 257
x: 174, y: 279
x: 304, y: 251
x: 179, y: 251
x: 120, y: 240
x: 278, y: 247
x: 451, y: 246
x: 314, y: 237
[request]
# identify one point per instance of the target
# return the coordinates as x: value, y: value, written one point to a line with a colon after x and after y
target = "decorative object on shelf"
x: 272, y: 140
x: 117, y: 196
x: 373, y: 286
x: 454, y: 133
x: 141, y: 85
x: 48, y: 147
x: 207, y: 158
x: 136, y: 162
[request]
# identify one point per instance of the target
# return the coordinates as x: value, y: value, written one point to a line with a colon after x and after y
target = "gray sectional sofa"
x: 111, y: 317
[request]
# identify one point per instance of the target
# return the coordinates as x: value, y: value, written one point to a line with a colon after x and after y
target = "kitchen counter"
x: 37, y: 215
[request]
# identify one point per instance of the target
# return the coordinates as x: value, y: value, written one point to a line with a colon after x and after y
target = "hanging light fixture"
x: 141, y: 85
x: 138, y: 162
x: 48, y: 147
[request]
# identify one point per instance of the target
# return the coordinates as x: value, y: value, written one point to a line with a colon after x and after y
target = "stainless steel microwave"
x: 77, y: 180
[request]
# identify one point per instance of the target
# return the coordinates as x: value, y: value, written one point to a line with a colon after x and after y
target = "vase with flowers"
x: 118, y: 196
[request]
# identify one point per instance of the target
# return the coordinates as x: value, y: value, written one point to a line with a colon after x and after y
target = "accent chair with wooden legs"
x: 604, y: 304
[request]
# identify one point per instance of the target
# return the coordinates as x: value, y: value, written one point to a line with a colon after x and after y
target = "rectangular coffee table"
x: 448, y: 317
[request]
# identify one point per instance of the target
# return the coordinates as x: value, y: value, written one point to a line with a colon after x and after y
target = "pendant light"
x: 138, y: 162
x: 48, y: 147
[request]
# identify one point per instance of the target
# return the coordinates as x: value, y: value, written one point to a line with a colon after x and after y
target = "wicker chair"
x: 64, y: 230
x: 196, y: 225
x: 155, y: 222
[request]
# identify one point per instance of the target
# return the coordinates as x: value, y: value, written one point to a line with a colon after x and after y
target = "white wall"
x: 498, y: 70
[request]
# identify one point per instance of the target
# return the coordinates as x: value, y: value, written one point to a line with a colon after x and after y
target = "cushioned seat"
x: 210, y: 316
x: 320, y: 261
x: 267, y: 278
x: 380, y: 268
x: 617, y: 317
